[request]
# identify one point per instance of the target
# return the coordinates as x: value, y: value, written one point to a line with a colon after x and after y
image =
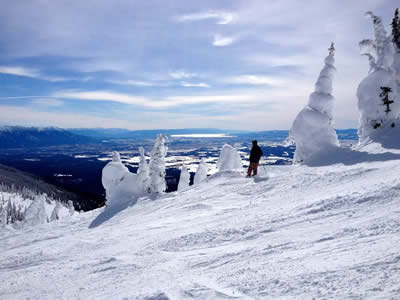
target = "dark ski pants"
x: 252, y: 167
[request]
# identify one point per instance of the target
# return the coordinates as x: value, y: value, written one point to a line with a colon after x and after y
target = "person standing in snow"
x: 255, y: 155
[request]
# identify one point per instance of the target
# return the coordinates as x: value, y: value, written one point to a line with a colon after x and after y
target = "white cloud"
x: 32, y: 73
x: 103, y: 96
x: 19, y: 71
x: 221, y: 41
x: 133, y: 82
x: 254, y: 80
x: 237, y: 98
x: 180, y: 74
x: 221, y: 18
x: 188, y: 84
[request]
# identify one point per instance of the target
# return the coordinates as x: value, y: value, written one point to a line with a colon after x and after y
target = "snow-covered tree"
x: 143, y: 171
x: 55, y: 215
x: 229, y: 159
x: 201, y: 173
x: 126, y: 191
x: 378, y: 93
x: 184, y: 179
x: 36, y: 212
x: 71, y: 208
x: 312, y: 130
x: 113, y: 172
x: 396, y: 29
x: 157, y: 166
x: 3, y: 216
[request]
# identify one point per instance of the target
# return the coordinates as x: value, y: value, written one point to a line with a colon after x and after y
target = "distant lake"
x: 201, y: 135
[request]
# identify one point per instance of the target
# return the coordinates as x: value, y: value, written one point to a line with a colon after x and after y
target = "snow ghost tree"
x: 378, y: 93
x: 312, y: 130
x: 184, y: 179
x: 113, y: 173
x: 143, y: 172
x: 229, y: 159
x: 55, y: 215
x: 122, y: 187
x: 36, y: 212
x: 157, y: 183
x: 201, y: 173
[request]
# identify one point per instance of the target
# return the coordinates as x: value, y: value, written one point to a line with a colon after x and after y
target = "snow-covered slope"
x: 322, y: 232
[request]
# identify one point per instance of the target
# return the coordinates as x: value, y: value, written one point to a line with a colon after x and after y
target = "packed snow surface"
x: 306, y: 232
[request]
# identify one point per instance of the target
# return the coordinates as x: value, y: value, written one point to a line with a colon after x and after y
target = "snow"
x: 312, y: 130
x: 307, y: 232
x: 201, y: 173
x: 229, y: 159
x: 30, y: 211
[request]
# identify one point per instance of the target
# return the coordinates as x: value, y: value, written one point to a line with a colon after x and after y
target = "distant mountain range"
x: 28, y: 137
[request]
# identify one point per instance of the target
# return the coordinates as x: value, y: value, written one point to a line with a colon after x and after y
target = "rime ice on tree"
x: 157, y: 166
x: 312, y: 129
x: 184, y: 179
x: 113, y: 173
x: 36, y: 212
x: 229, y: 159
x: 201, y: 173
x: 378, y: 93
x: 143, y: 171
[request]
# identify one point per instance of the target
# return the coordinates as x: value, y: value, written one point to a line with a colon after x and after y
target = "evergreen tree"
x: 396, y: 29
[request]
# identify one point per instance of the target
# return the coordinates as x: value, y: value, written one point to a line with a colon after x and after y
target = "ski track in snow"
x: 326, y: 232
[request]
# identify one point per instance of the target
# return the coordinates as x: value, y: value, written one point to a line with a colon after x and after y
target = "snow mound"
x: 229, y: 159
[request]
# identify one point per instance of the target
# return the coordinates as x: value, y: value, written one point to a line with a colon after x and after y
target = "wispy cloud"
x: 221, y: 18
x: 171, y: 101
x: 222, y: 41
x: 133, y: 82
x: 19, y: 71
x: 201, y: 85
x: 32, y: 73
x: 254, y: 80
x: 103, y: 96
x: 181, y: 74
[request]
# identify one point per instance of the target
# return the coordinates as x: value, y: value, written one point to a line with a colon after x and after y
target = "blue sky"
x: 247, y: 64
